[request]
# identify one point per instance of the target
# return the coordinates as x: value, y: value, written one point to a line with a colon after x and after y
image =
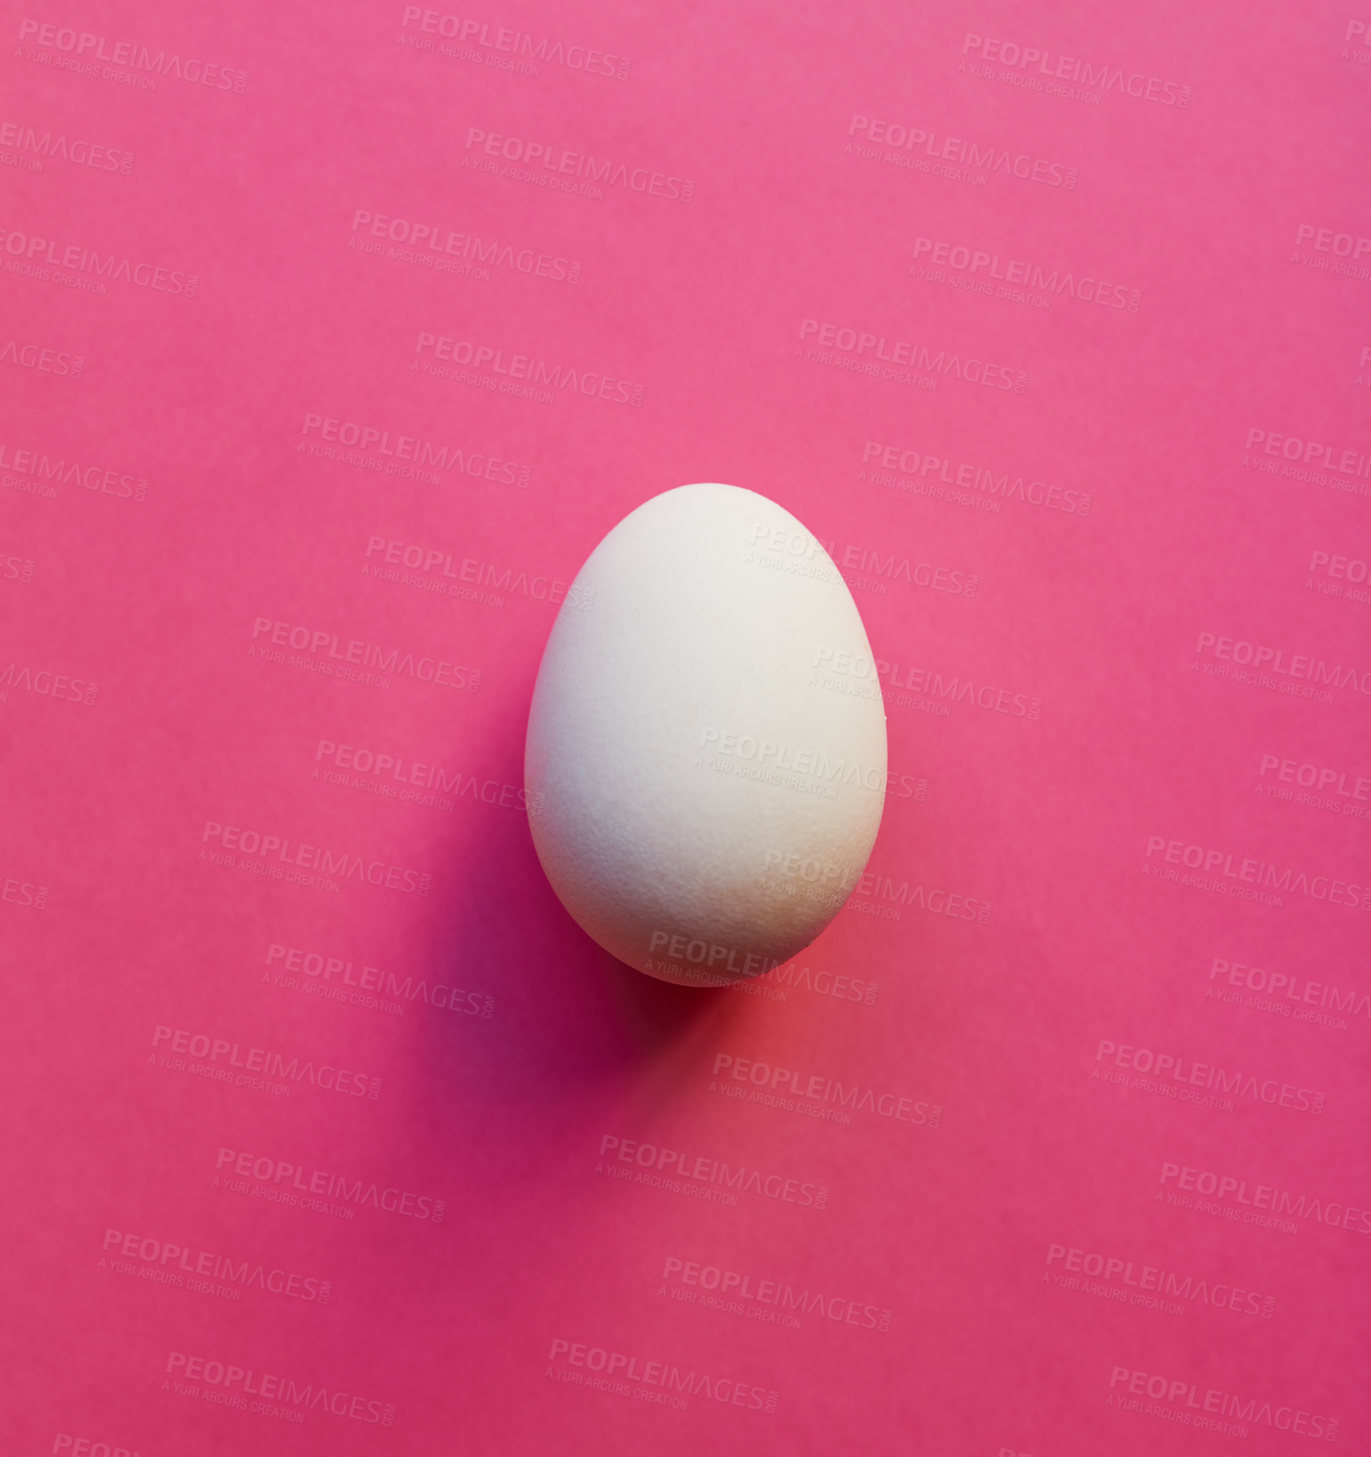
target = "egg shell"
x: 705, y: 764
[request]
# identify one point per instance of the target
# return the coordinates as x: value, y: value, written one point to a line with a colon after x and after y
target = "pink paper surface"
x: 334, y: 339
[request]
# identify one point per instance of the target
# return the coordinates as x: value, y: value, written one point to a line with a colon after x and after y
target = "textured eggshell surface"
x: 706, y: 756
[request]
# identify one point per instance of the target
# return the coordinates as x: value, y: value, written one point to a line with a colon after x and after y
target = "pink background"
x: 170, y: 498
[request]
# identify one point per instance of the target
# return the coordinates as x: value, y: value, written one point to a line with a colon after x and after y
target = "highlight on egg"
x: 705, y: 762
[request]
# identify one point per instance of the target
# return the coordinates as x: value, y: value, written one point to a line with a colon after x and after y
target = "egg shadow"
x: 573, y: 1031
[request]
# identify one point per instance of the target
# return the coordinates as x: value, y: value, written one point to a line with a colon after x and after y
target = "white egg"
x: 706, y: 756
